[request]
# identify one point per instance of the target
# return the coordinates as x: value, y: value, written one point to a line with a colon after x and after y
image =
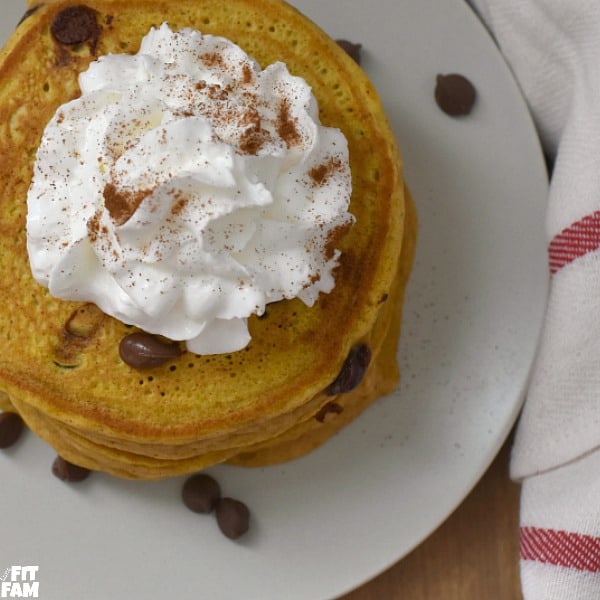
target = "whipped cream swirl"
x: 186, y: 188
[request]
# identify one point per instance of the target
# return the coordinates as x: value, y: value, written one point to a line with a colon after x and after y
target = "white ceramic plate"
x: 327, y: 523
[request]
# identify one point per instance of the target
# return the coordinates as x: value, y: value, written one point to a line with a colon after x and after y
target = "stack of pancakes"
x: 306, y: 372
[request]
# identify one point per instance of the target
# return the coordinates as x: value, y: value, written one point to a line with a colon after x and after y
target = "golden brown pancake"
x: 59, y: 360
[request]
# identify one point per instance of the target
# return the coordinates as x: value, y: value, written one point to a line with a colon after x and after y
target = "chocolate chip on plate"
x: 145, y: 351
x: 351, y: 48
x: 67, y: 471
x: 11, y: 427
x: 201, y: 493
x: 75, y: 25
x: 455, y: 94
x: 352, y: 372
x: 233, y: 517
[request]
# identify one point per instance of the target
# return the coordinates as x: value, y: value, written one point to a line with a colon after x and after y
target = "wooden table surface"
x: 473, y: 555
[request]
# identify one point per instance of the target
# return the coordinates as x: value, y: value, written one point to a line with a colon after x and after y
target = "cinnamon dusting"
x: 121, y: 204
x: 287, y: 125
x: 333, y: 239
x: 247, y: 76
x: 213, y: 59
x: 321, y: 173
x: 254, y: 136
x: 93, y: 227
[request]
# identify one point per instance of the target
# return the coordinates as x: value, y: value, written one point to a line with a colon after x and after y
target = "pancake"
x: 59, y: 361
x: 303, y: 437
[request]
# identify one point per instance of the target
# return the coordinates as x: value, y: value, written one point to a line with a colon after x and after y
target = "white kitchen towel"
x: 553, y: 49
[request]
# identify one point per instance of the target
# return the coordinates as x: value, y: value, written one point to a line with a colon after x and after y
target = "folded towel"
x: 553, y: 49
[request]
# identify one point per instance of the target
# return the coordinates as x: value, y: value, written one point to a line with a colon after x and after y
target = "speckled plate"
x: 328, y: 522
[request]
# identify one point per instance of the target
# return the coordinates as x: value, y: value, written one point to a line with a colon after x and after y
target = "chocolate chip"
x: 330, y: 407
x: 455, y: 94
x: 352, y: 372
x: 144, y: 351
x: 75, y: 25
x: 11, y: 427
x: 233, y: 517
x: 85, y: 321
x: 76, y: 335
x: 352, y: 49
x: 200, y: 493
x: 67, y: 471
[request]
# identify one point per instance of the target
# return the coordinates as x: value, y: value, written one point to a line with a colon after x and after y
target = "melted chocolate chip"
x: 84, y: 321
x: 233, y: 517
x: 67, y: 471
x: 145, y: 351
x: 352, y: 49
x: 352, y: 372
x: 11, y: 427
x: 75, y: 25
x: 77, y: 334
x: 201, y: 493
x: 330, y: 407
x: 455, y: 94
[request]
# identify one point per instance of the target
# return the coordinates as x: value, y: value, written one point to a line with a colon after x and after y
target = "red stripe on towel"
x: 560, y: 548
x: 575, y: 241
